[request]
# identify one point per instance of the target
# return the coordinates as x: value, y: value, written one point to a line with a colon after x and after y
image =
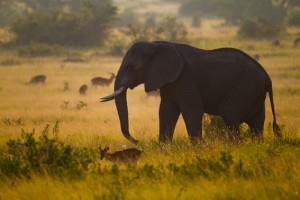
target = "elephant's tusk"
x: 112, y: 96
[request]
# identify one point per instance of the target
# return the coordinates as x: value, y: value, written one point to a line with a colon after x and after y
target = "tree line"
x: 64, y: 22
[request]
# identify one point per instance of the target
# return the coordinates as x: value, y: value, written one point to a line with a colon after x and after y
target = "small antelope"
x: 38, y: 79
x: 297, y: 42
x: 276, y: 43
x: 100, y: 81
x: 66, y: 86
x: 83, y: 89
x: 130, y: 155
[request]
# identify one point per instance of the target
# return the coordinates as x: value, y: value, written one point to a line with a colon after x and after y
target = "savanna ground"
x: 216, y: 170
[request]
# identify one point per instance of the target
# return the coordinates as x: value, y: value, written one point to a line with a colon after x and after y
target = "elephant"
x: 225, y: 82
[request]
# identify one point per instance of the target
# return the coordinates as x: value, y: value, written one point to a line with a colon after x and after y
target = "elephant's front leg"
x: 168, y: 116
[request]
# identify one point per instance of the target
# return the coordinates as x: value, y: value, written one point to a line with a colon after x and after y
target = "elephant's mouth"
x: 113, y: 95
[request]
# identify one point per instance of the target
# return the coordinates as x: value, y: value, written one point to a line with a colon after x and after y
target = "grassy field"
x: 216, y: 170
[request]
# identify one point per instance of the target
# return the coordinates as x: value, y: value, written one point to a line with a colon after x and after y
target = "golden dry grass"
x: 97, y: 124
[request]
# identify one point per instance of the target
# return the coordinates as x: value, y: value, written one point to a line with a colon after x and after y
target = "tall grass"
x: 214, y: 170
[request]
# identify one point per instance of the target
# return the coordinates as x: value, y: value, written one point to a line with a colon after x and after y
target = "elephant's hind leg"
x: 168, y: 116
x: 256, y: 122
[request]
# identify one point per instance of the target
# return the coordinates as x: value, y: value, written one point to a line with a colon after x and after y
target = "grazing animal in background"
x: 225, y: 82
x: 100, y: 81
x: 131, y: 155
x: 66, y: 86
x: 38, y: 79
x: 296, y: 42
x: 83, y: 89
x: 276, y: 43
x: 256, y: 57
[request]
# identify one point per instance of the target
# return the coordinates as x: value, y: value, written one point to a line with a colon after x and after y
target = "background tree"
x: 235, y: 11
x: 86, y: 24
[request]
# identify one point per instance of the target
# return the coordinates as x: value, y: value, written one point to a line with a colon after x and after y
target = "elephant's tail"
x: 276, y: 128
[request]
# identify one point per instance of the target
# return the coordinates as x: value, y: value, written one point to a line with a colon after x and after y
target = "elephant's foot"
x: 197, y: 141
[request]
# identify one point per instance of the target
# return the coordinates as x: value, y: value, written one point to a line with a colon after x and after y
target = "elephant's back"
x: 219, y: 72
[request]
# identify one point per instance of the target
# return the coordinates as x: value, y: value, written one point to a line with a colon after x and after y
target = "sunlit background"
x: 73, y: 41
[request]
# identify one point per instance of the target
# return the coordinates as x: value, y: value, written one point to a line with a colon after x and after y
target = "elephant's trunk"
x: 121, y: 104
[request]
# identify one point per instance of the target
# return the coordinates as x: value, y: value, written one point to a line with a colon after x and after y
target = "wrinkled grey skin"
x: 225, y: 82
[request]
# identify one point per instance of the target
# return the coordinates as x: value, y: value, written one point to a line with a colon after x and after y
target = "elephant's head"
x: 153, y: 63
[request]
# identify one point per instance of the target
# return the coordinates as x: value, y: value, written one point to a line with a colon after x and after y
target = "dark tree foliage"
x: 259, y: 29
x: 235, y: 11
x: 293, y: 18
x: 10, y: 11
x: 72, y: 22
x: 290, y: 4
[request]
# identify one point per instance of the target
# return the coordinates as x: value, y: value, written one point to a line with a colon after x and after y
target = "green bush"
x: 44, y: 154
x: 168, y: 28
x: 10, y: 11
x: 86, y: 26
x: 117, y: 46
x: 259, y: 29
x: 235, y: 11
x: 293, y: 17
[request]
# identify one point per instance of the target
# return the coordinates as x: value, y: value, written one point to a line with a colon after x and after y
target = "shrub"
x: 44, y: 154
x: 235, y: 11
x: 86, y: 26
x: 172, y: 29
x: 13, y: 121
x: 167, y: 29
x: 259, y: 29
x: 128, y: 16
x: 117, y: 46
x: 293, y: 17
x: 10, y: 11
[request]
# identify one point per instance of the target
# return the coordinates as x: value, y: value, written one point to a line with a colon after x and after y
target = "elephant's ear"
x: 165, y: 67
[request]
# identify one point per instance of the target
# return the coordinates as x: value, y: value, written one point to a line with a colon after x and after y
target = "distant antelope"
x: 296, y: 42
x: 100, y: 81
x: 66, y: 86
x: 38, y: 79
x: 131, y: 155
x: 276, y: 43
x: 83, y: 89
